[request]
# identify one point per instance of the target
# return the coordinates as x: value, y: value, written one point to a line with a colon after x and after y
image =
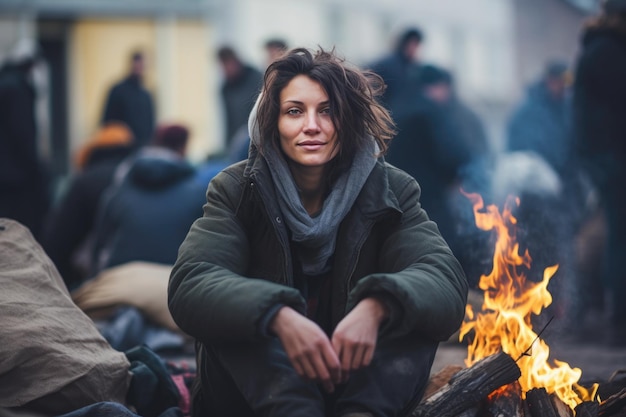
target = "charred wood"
x: 611, y: 387
x: 469, y: 386
x: 539, y: 403
x: 587, y: 409
x: 560, y: 408
x: 470, y: 412
x: 614, y: 404
x: 505, y: 402
x: 440, y: 379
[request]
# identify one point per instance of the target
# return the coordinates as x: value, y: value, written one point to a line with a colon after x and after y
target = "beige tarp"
x: 48, y: 346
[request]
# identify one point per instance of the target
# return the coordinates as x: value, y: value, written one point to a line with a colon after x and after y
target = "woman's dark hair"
x: 352, y: 93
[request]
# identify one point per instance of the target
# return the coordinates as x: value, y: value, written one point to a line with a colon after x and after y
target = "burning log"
x: 561, y: 409
x: 506, y: 402
x: 469, y: 386
x: 539, y: 403
x: 542, y: 404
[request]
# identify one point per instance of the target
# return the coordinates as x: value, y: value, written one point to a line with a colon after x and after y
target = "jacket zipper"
x: 366, y: 233
x: 275, y: 222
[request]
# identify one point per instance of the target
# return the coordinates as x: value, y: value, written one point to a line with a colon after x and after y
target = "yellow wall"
x: 177, y: 74
x: 193, y: 95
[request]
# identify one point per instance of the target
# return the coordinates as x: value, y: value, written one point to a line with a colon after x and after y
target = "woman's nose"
x: 311, y: 123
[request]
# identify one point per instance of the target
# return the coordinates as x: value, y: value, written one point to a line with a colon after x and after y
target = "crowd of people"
x: 328, y: 242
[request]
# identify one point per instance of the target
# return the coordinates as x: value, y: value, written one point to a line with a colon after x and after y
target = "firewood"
x: 506, y: 401
x: 470, y: 412
x: 560, y: 408
x: 539, y: 403
x: 440, y: 379
x: 469, y: 386
x: 587, y: 409
x: 613, y: 404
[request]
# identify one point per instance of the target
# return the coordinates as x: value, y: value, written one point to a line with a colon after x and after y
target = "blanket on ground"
x: 139, y: 284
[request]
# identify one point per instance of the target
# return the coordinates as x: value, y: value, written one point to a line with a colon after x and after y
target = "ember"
x: 510, y: 300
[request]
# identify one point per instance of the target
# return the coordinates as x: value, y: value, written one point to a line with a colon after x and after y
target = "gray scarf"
x: 315, y: 236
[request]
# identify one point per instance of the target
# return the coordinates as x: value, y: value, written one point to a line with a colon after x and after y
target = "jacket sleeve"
x: 426, y: 282
x: 209, y: 296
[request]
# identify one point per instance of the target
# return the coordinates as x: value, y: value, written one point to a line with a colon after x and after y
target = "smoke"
x: 545, y: 227
x: 524, y: 173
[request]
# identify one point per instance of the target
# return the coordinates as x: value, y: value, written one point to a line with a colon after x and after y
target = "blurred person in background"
x: 542, y: 120
x: 600, y: 120
x: 274, y: 49
x: 131, y: 103
x: 540, y: 130
x: 25, y: 192
x: 241, y: 85
x: 315, y: 283
x: 401, y: 72
x: 442, y: 143
x: 156, y: 187
x: 68, y: 232
x: 457, y: 118
x: 142, y: 219
x: 466, y: 159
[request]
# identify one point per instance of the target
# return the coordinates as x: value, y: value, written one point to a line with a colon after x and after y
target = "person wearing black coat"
x: 239, y: 91
x: 131, y: 103
x: 69, y: 228
x: 24, y: 189
x: 600, y: 121
x: 401, y: 72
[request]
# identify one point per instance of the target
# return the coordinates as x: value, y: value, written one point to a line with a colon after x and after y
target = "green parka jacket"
x: 236, y: 265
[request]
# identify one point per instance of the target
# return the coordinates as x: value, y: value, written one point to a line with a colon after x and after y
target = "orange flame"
x: 509, y: 300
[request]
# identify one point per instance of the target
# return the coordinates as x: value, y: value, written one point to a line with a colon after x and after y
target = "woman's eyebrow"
x: 294, y: 101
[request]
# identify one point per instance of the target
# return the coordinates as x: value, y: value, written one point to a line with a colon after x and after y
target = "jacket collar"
x: 376, y: 197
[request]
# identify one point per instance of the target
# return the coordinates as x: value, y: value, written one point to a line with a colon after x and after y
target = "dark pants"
x: 614, y: 199
x: 258, y: 380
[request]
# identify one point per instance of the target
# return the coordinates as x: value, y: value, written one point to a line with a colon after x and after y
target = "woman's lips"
x: 311, y: 145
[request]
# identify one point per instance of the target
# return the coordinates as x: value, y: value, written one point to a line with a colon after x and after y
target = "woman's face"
x: 307, y: 133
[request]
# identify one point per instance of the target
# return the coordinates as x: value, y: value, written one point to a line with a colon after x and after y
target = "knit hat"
x: 111, y: 134
x: 615, y: 6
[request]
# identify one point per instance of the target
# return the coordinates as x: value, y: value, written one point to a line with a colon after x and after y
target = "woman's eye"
x: 325, y: 110
x: 293, y: 111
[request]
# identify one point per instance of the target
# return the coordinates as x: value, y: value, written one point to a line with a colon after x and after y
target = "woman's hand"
x: 307, y: 347
x: 354, y: 339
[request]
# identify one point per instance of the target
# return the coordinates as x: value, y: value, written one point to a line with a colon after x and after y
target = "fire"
x: 504, y: 323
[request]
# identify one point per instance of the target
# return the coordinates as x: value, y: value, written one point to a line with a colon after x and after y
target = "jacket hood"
x: 253, y: 125
x: 159, y: 168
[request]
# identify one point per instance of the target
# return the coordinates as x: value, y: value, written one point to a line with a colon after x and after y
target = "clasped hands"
x: 330, y: 361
